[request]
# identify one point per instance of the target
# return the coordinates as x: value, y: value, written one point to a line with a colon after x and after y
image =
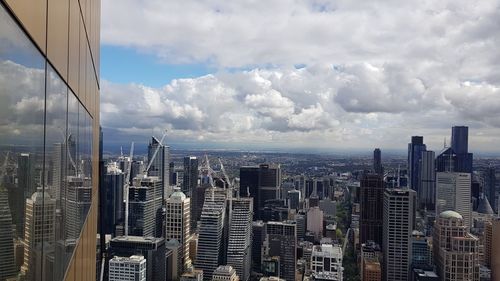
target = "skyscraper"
x: 178, y: 224
x: 39, y: 229
x: 7, y: 262
x: 113, y: 211
x: 262, y: 183
x: 377, y: 162
x: 190, y: 179
x: 239, y: 250
x: 210, y: 239
x: 460, y: 145
x: 415, y: 149
x: 131, y: 268
x: 372, y: 208
x: 160, y: 164
x: 258, y: 237
x: 399, y: 216
x: 282, y: 242
x: 145, y: 201
x: 427, y: 190
x: 455, y: 251
x: 453, y: 192
x: 50, y: 56
x: 490, y: 182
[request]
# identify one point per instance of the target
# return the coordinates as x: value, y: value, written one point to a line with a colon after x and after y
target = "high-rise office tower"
x: 145, y: 201
x: 490, y: 182
x: 460, y: 145
x: 372, y: 208
x: 77, y: 200
x: 171, y: 172
x: 293, y: 197
x: 112, y: 212
x: 210, y: 239
x: 282, y: 242
x: 377, y: 162
x: 262, y: 183
x: 178, y: 224
x: 239, y: 250
x: 7, y: 261
x: 197, y: 201
x: 190, y: 178
x: 160, y: 164
x: 50, y: 56
x: 258, y: 237
x: 39, y: 229
x: 453, y: 192
x: 415, y: 149
x: 131, y: 268
x: 225, y: 273
x: 399, y: 216
x: 427, y: 190
x: 315, y: 222
x: 455, y: 250
x: 152, y: 249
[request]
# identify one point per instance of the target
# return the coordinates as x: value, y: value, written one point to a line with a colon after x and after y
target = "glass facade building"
x: 49, y: 132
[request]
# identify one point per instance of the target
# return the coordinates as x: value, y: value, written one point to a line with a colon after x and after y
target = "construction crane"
x: 126, y: 188
x: 160, y: 143
x: 207, y: 169
x: 228, y: 181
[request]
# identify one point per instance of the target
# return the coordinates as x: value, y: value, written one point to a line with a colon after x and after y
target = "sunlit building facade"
x: 49, y: 132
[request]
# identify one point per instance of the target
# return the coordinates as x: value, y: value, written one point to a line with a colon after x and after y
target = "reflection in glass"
x: 22, y: 84
x: 45, y: 162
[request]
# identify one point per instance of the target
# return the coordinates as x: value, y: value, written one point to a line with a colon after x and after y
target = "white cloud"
x: 376, y: 72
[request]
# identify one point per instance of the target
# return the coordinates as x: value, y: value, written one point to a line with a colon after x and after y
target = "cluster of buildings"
x: 436, y: 225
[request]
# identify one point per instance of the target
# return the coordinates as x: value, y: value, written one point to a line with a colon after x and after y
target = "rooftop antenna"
x: 444, y: 146
x: 127, y: 186
x: 121, y: 151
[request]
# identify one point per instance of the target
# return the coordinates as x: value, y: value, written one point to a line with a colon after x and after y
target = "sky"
x: 300, y: 74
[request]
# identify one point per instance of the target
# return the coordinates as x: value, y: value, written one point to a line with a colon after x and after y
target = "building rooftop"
x: 450, y: 215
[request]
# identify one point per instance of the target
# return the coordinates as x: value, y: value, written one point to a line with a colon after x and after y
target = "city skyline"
x: 300, y: 75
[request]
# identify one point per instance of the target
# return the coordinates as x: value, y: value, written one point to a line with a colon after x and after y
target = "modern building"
x: 377, y: 162
x: 490, y: 182
x: 239, y: 249
x: 293, y: 197
x: 177, y: 224
x: 258, y: 237
x: 460, y: 146
x: 210, y: 240
x: 50, y: 55
x: 190, y: 178
x: 399, y: 216
x: 423, y: 275
x: 282, y: 242
x: 159, y: 166
x: 145, y: 201
x: 427, y: 181
x: 315, y: 222
x: 131, y: 268
x: 7, y: 258
x: 225, y: 273
x: 372, y: 208
x: 327, y: 258
x: 262, y: 183
x: 420, y: 256
x: 152, y: 249
x: 453, y: 192
x: 455, y: 250
x: 113, y: 210
x: 39, y: 230
x: 415, y: 149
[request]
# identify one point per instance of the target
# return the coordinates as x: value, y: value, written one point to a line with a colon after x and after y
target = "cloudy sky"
x: 301, y: 74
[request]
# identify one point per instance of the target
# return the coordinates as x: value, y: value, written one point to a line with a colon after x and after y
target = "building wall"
x: 49, y: 78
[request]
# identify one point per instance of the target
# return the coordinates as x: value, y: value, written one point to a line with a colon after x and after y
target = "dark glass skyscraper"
x: 190, y: 178
x: 415, y: 149
x: 460, y: 145
x: 377, y: 161
x: 372, y: 208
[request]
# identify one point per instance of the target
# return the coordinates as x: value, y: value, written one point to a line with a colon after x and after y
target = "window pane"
x: 22, y: 103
